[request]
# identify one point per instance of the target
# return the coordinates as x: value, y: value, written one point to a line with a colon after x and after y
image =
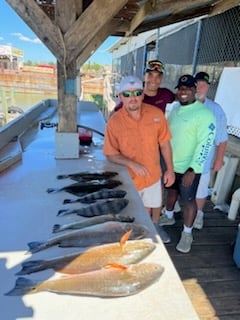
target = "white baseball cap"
x: 130, y: 82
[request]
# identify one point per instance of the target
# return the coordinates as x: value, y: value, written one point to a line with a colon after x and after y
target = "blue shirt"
x: 221, y: 131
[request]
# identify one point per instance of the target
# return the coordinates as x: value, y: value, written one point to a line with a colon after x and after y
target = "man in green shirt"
x: 193, y: 129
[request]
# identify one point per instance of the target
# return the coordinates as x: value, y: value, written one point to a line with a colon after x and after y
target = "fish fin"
x: 35, y: 246
x: 31, y: 266
x: 116, y: 266
x: 124, y: 238
x: 86, y: 201
x: 22, y: 286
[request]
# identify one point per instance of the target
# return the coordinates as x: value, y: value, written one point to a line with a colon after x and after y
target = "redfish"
x: 113, y: 281
x: 95, y: 258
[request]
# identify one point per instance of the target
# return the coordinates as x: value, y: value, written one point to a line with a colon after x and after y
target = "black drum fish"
x: 101, y: 194
x: 87, y: 222
x: 107, y: 232
x: 86, y: 175
x: 113, y: 206
x: 82, y: 188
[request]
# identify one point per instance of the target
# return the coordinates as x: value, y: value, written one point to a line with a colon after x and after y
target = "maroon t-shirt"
x: 160, y: 100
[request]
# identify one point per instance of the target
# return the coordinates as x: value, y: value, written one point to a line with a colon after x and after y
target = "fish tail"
x: 69, y: 201
x: 62, y: 212
x: 31, y: 266
x: 62, y: 176
x: 50, y: 190
x: 22, y: 286
x: 56, y: 228
x: 35, y: 246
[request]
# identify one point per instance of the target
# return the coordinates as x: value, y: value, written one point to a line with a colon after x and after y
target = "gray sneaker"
x: 165, y: 221
x: 184, y: 245
x: 198, y: 222
x: 162, y: 233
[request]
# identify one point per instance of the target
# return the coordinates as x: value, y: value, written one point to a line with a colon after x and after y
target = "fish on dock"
x: 101, y: 194
x: 91, y: 221
x: 82, y: 188
x: 87, y: 175
x: 113, y: 206
x: 114, y: 280
x: 95, y: 258
x: 107, y: 232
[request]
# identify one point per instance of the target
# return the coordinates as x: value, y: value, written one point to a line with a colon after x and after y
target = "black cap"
x: 202, y: 76
x: 186, y: 80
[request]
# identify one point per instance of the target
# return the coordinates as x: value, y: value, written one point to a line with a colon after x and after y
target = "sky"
x: 15, y: 32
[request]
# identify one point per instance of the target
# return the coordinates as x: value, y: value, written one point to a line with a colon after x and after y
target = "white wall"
x: 227, y: 95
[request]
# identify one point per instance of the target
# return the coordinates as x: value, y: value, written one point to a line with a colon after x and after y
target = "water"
x: 26, y: 101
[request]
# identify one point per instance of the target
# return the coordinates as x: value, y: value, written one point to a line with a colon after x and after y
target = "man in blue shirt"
x: 215, y: 159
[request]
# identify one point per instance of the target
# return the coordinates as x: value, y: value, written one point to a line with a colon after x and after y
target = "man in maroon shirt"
x: 153, y: 94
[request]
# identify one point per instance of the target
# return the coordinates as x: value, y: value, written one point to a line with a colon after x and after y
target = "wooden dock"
x: 208, y: 272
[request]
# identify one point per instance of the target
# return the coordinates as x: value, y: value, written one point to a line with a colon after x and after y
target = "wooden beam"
x: 142, y: 13
x: 164, y: 9
x: 79, y: 7
x: 41, y: 25
x: 88, y: 24
x: 65, y: 14
x: 96, y: 41
x: 222, y: 6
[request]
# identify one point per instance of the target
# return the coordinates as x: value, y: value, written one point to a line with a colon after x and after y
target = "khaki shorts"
x: 202, y: 190
x: 152, y: 196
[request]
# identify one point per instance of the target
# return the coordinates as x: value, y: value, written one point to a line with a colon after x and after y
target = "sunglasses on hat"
x: 135, y: 93
x: 155, y: 66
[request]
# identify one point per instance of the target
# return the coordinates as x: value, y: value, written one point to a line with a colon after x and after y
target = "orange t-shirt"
x: 138, y: 141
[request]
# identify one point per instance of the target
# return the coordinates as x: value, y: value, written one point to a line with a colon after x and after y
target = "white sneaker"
x: 165, y: 221
x: 177, y: 207
x: 185, y: 243
x: 198, y: 222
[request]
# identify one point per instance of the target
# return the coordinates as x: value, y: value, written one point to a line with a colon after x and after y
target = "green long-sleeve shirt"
x: 193, y: 129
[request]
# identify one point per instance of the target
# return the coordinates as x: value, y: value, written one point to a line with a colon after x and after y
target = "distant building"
x: 11, y: 58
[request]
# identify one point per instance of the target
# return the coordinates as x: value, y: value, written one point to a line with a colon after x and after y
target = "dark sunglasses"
x: 155, y: 66
x: 135, y: 93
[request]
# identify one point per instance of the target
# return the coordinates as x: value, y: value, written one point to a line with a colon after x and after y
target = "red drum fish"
x: 112, y: 281
x: 95, y: 258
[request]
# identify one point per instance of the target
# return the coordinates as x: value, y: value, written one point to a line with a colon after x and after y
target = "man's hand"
x: 168, y: 178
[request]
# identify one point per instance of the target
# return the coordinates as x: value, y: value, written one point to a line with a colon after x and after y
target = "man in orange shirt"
x: 133, y: 137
